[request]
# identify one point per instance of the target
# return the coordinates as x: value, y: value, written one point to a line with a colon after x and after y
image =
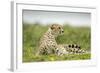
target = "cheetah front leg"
x: 60, y: 50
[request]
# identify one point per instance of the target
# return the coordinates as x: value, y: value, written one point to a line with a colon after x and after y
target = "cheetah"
x: 64, y: 49
x: 48, y: 44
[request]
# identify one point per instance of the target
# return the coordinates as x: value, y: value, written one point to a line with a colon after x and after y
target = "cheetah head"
x: 57, y: 29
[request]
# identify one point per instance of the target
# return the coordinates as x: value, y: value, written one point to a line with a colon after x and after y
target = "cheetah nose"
x: 62, y: 31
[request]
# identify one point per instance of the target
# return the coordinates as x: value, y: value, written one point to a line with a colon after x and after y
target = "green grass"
x: 56, y: 58
x: 72, y: 35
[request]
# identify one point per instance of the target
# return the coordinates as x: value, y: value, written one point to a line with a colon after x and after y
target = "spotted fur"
x: 48, y: 44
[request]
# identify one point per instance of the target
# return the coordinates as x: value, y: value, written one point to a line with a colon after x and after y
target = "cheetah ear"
x: 52, y: 27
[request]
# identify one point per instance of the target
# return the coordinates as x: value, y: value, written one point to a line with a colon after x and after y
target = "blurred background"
x: 49, y: 17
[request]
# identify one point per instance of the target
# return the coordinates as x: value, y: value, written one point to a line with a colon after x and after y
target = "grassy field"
x: 72, y: 35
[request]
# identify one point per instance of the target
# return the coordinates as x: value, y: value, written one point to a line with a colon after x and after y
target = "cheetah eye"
x: 59, y: 27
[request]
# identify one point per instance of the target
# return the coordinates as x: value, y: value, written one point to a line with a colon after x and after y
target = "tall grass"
x: 72, y: 35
